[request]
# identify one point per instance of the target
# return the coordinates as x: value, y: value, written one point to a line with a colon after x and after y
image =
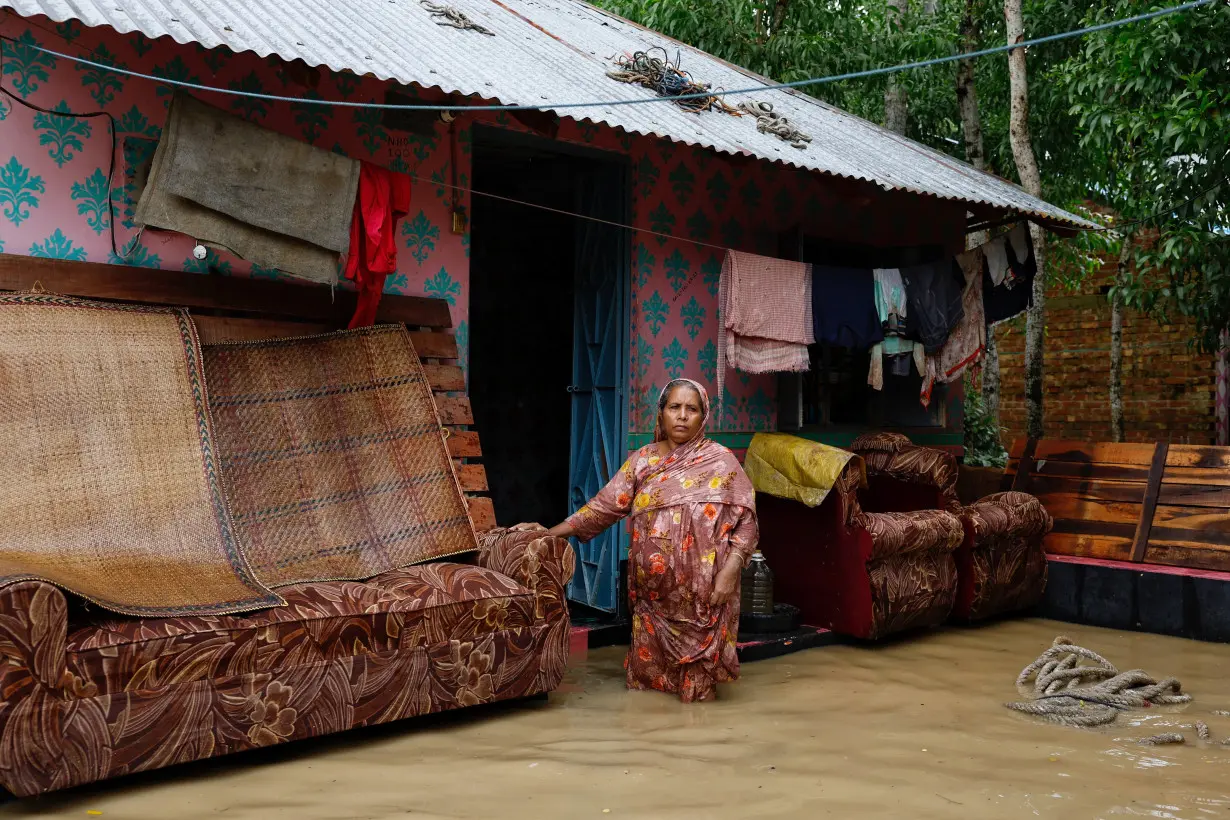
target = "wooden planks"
x: 1153, y: 485
x: 482, y: 512
x: 473, y: 478
x: 1145, y: 503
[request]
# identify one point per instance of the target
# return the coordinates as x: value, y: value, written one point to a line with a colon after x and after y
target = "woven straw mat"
x: 333, y: 456
x: 108, y: 485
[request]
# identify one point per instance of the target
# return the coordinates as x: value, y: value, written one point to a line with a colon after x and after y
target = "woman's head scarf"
x: 700, y: 471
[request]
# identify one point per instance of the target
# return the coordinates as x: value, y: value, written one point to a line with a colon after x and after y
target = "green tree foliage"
x: 1152, y: 103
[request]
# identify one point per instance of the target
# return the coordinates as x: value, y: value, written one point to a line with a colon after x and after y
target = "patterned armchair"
x: 874, y: 558
x: 1001, y: 564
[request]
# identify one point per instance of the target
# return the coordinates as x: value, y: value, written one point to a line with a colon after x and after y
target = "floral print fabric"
x: 1004, y: 567
x: 114, y: 696
x: 683, y: 532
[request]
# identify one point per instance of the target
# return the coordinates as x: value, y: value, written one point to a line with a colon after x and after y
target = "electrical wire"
x: 852, y: 75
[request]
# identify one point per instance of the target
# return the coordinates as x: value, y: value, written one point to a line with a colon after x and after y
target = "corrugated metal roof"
x: 549, y: 51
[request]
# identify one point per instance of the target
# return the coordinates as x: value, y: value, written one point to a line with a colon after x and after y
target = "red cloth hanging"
x: 384, y: 198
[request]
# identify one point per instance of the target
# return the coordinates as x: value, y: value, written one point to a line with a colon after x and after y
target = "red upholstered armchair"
x: 872, y: 559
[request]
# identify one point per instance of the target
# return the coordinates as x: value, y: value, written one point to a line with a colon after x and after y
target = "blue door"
x: 599, y: 373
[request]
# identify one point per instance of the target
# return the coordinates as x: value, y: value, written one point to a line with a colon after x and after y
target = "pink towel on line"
x: 766, y: 316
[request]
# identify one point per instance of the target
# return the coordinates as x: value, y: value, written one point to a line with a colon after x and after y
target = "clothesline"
x: 564, y: 212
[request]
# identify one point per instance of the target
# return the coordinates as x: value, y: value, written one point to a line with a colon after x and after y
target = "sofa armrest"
x: 540, y: 562
x: 33, y: 634
x: 1008, y: 514
x: 899, y: 533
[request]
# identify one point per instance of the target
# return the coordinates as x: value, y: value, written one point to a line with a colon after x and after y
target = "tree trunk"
x: 778, y: 17
x: 896, y: 102
x: 1116, y: 343
x: 990, y: 378
x: 967, y: 95
x: 1031, y: 181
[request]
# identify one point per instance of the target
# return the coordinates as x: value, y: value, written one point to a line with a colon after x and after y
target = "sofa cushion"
x: 399, y: 610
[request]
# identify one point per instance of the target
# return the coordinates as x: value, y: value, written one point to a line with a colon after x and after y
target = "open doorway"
x: 548, y: 328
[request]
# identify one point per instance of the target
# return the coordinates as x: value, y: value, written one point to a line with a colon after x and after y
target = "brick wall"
x: 1168, y: 386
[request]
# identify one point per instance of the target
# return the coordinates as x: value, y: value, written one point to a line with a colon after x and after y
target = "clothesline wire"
x: 851, y: 75
x: 431, y: 183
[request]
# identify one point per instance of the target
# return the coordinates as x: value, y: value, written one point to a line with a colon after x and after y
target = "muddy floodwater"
x: 912, y: 729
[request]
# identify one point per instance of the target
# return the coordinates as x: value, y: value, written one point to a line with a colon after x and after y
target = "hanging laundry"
x: 891, y: 305
x: 892, y: 308
x: 875, y: 374
x: 1022, y: 245
x: 934, y: 294
x: 997, y: 259
x: 967, y: 341
x: 766, y: 316
x: 384, y: 198
x: 844, y: 307
x: 899, y: 365
x: 1016, y: 294
x: 920, y: 361
x: 1021, y: 262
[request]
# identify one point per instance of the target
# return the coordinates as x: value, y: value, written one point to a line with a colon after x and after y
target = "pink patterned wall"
x: 53, y: 193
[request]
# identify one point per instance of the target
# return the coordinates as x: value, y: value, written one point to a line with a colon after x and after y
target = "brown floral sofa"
x: 86, y: 696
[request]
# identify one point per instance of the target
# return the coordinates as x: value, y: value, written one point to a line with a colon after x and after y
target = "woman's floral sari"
x: 689, y: 511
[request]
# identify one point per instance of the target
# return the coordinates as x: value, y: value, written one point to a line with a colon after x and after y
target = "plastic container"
x: 757, y: 587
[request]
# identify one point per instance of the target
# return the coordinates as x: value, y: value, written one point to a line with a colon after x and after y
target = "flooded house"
x: 569, y: 234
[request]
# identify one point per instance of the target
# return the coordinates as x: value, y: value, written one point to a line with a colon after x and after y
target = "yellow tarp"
x: 796, y: 469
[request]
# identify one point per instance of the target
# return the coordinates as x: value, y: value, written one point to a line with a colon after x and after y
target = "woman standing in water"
x: 693, y: 526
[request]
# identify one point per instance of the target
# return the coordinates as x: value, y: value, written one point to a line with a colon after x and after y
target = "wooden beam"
x: 482, y: 513
x: 455, y: 410
x: 473, y: 478
x: 1152, y: 488
x: 1021, y: 480
x: 445, y: 378
x: 92, y: 280
x: 217, y: 329
x: 464, y: 444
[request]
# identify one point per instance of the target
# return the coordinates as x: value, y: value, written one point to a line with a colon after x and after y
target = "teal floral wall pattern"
x: 18, y: 191
x: 420, y: 234
x: 91, y: 196
x: 58, y: 246
x: 102, y: 84
x: 26, y: 67
x: 62, y: 135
